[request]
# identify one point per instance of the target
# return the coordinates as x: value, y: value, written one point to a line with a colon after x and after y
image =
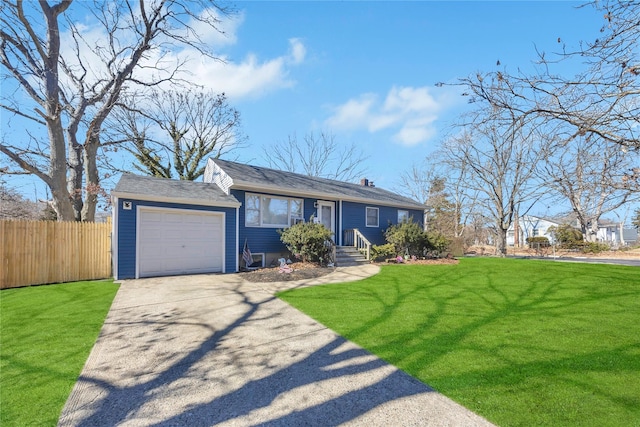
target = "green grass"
x: 46, y: 334
x: 520, y: 342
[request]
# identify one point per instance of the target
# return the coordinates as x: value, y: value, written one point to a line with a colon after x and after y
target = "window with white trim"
x: 403, y: 216
x: 373, y: 215
x: 296, y: 211
x: 272, y: 211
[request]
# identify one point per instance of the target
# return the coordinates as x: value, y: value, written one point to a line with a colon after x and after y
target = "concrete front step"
x: 348, y: 250
x: 347, y: 256
x: 350, y: 263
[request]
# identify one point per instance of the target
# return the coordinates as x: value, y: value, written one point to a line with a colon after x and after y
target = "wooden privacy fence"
x: 38, y: 252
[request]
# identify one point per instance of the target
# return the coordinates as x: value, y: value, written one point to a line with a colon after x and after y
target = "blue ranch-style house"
x: 168, y: 227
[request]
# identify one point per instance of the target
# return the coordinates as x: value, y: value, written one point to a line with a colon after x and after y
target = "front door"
x: 326, y: 215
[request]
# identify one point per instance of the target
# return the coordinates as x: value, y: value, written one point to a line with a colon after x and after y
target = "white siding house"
x: 529, y: 226
x: 616, y: 234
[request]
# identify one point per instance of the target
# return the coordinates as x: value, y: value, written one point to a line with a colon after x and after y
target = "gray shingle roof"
x: 162, y: 189
x: 255, y: 177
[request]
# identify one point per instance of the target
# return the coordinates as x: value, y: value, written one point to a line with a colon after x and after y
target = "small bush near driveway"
x: 307, y: 241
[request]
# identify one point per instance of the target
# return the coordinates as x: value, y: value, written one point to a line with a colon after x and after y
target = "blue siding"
x: 127, y: 220
x: 262, y: 239
x: 265, y: 239
x: 354, y: 216
x: 416, y: 216
x: 309, y: 209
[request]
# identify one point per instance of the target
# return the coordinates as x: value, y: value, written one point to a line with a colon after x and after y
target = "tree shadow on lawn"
x: 232, y: 375
x: 436, y: 338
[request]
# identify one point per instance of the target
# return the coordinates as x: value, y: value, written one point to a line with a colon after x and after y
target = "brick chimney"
x: 364, y: 182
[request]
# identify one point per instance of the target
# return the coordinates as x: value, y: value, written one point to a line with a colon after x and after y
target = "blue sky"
x: 366, y: 71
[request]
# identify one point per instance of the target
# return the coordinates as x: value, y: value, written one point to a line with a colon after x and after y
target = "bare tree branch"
x: 590, y: 174
x: 176, y: 131
x: 496, y: 155
x: 317, y: 155
x: 601, y: 100
x: 75, y: 89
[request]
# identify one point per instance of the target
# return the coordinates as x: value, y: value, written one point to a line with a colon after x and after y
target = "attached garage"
x: 164, y: 227
x: 175, y: 241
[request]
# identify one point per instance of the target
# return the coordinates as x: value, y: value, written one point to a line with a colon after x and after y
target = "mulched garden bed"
x: 432, y: 261
x: 301, y: 271
x: 307, y: 270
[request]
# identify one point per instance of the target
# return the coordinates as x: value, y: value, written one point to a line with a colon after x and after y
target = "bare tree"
x: 176, y: 131
x: 317, y: 155
x: 478, y: 230
x: 416, y: 183
x: 14, y: 206
x: 496, y: 156
x: 71, y: 81
x: 449, y: 205
x: 602, y: 99
x: 588, y: 121
x: 591, y: 173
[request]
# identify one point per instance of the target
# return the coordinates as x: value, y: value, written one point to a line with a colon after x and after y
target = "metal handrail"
x: 353, y: 237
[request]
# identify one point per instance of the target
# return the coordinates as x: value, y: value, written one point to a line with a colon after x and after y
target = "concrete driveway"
x: 217, y: 350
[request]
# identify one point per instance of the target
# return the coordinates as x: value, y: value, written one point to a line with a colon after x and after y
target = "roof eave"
x: 274, y: 189
x: 186, y: 201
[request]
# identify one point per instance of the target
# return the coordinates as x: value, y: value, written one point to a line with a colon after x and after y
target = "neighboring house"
x: 608, y: 232
x: 530, y: 226
x: 630, y: 236
x: 165, y: 227
x: 615, y: 234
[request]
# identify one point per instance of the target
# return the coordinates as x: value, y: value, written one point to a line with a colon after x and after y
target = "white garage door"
x: 172, y: 241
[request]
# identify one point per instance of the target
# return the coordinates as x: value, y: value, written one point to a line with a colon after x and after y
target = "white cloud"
x: 409, y: 112
x: 297, y: 51
x: 225, y: 32
x: 408, y: 99
x: 354, y: 113
x: 415, y: 132
x: 248, y: 77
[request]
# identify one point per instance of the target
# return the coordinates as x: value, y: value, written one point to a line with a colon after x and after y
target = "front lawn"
x: 520, y: 342
x: 46, y: 334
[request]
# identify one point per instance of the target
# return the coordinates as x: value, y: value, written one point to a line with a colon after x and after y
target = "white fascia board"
x: 237, y: 242
x: 114, y: 237
x: 185, y: 201
x: 271, y: 189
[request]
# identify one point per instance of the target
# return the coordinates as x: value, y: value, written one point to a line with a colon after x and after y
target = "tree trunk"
x: 593, y: 231
x: 501, y: 242
x: 58, y: 171
x: 621, y: 231
x: 75, y: 179
x: 93, y: 180
x: 57, y: 157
